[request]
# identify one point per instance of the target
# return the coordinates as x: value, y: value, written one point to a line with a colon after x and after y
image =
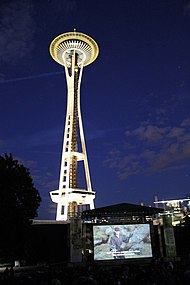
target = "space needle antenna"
x: 73, y: 50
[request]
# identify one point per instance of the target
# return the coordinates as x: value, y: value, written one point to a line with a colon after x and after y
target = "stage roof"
x: 124, y: 209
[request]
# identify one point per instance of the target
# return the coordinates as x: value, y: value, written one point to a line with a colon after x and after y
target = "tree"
x: 19, y: 201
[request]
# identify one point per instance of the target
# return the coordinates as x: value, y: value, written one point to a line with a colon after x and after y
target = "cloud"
x: 2, y: 142
x: 186, y: 6
x: 185, y: 122
x: 40, y: 142
x: 176, y: 133
x: 3, y: 80
x: 43, y: 138
x: 17, y: 29
x: 95, y: 133
x: 152, y: 149
x: 21, y: 20
x: 65, y: 6
x: 150, y: 132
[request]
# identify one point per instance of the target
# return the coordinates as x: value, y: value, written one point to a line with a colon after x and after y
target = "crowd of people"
x: 155, y: 272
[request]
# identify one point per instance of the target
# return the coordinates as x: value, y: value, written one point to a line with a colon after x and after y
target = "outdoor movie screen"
x: 121, y: 241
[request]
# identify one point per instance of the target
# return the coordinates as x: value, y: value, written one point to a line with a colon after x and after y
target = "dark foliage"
x: 19, y: 201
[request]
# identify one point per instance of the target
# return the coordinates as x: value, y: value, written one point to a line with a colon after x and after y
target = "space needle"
x: 73, y: 50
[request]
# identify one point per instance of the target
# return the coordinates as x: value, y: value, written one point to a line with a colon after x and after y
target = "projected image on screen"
x: 122, y: 241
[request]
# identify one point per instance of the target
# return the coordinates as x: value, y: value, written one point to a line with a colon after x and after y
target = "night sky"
x: 135, y: 98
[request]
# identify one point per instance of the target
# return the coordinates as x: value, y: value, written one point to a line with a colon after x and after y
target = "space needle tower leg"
x: 74, y: 51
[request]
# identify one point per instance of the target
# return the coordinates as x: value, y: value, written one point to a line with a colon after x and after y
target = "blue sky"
x: 135, y: 97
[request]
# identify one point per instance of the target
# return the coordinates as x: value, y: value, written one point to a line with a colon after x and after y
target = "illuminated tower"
x: 73, y: 50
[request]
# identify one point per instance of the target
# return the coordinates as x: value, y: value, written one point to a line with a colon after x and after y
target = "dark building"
x: 48, y: 242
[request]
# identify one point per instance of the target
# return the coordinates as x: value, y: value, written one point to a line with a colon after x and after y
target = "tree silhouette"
x: 19, y: 201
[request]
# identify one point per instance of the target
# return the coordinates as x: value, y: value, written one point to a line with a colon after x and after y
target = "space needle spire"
x: 73, y: 50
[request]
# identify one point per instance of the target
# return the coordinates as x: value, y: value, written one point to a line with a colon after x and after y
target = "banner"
x: 169, y: 237
x: 75, y: 240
